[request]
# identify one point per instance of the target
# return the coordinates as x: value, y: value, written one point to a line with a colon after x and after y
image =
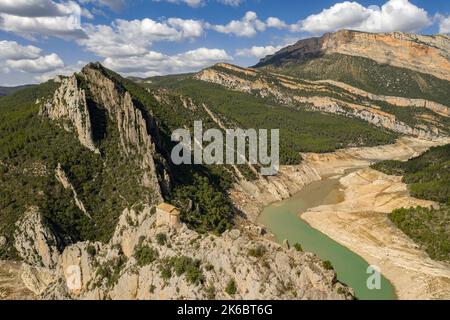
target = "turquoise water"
x: 282, y: 220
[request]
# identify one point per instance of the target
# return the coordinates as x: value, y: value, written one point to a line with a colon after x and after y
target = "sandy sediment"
x: 252, y: 196
x: 361, y: 224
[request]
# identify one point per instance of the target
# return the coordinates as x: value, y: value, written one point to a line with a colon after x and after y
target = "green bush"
x: 145, y: 255
x: 231, y: 288
x: 327, y: 265
x: 257, y: 252
x: 161, y: 239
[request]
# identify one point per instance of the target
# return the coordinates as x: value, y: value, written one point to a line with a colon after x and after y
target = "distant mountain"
x: 85, y: 160
x: 396, y: 64
x: 4, y: 91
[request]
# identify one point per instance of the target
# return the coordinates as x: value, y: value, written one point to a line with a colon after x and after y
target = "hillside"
x: 85, y: 160
x: 4, y: 91
x: 428, y: 177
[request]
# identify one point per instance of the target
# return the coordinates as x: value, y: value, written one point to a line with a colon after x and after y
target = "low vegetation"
x: 428, y: 177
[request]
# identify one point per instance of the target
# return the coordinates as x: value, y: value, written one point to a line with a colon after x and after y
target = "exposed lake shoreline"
x: 340, y: 228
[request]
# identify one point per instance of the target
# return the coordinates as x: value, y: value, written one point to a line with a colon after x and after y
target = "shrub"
x: 257, y: 252
x: 231, y: 287
x: 327, y: 265
x: 298, y: 247
x: 145, y: 255
x: 161, y: 239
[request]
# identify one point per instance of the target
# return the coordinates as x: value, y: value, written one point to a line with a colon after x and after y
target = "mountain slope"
x: 4, y: 91
x: 395, y: 64
x: 85, y: 160
x: 428, y: 177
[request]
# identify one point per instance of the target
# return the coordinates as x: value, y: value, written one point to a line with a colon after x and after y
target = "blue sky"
x: 42, y: 38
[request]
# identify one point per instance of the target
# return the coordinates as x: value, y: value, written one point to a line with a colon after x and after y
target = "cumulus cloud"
x: 444, y: 25
x: 248, y: 26
x: 115, y: 5
x: 64, y: 71
x: 274, y: 22
x: 40, y: 65
x: 155, y: 63
x: 199, y: 3
x: 30, y: 18
x: 257, y: 52
x: 134, y: 37
x: 37, y: 8
x: 394, y: 15
x: 13, y: 50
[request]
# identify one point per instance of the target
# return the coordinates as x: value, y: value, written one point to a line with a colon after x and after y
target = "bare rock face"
x: 69, y: 105
x: 427, y: 54
x: 283, y: 91
x: 64, y: 180
x: 134, y: 128
x: 34, y: 241
x: 117, y: 270
x: 3, y: 241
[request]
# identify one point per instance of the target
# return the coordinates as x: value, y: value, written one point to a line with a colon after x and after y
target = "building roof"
x: 168, y: 208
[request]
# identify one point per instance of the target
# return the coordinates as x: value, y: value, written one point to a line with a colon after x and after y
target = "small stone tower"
x: 167, y: 214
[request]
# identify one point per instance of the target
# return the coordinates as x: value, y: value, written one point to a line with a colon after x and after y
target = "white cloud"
x: 30, y: 18
x: 26, y: 64
x: 155, y: 63
x: 191, y: 3
x: 64, y: 71
x: 257, y: 52
x: 131, y: 38
x: 199, y: 3
x: 39, y: 65
x: 37, y: 8
x: 115, y: 5
x: 444, y: 25
x: 13, y: 50
x: 248, y: 26
x: 394, y: 15
x: 274, y: 22
x: 233, y: 3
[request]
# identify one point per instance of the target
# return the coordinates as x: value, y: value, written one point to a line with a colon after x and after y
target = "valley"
x: 85, y: 164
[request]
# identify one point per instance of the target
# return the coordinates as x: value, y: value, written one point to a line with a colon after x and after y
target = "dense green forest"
x: 428, y: 177
x: 368, y: 75
x: 31, y: 147
x: 300, y: 130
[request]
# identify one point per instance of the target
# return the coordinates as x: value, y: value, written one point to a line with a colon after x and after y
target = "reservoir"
x: 282, y: 219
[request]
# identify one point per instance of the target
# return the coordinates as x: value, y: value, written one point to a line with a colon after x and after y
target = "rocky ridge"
x: 427, y: 54
x: 92, y: 92
x: 316, y: 96
x: 116, y: 270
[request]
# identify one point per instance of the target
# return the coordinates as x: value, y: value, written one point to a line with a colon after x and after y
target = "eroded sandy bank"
x: 251, y: 196
x: 361, y: 224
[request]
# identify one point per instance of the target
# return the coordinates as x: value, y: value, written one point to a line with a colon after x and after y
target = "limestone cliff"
x: 330, y: 97
x: 274, y: 273
x: 427, y: 54
x: 92, y: 93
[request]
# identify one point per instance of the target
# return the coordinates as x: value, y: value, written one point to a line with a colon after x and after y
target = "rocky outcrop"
x: 427, y: 54
x: 274, y: 273
x: 313, y: 95
x: 133, y: 125
x: 94, y: 92
x: 11, y: 284
x: 69, y: 106
x: 34, y: 241
x: 396, y: 101
x: 64, y: 180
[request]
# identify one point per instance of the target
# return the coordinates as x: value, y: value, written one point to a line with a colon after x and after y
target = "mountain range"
x: 85, y: 160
